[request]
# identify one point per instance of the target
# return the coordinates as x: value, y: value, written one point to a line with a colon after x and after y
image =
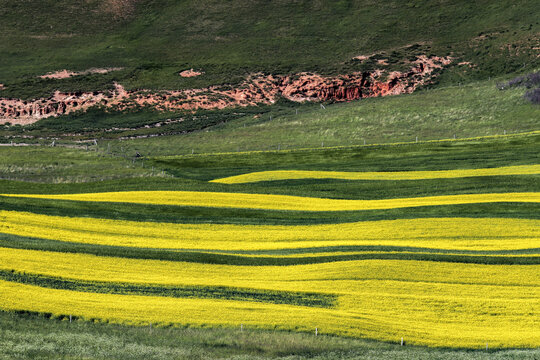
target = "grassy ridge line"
x: 280, y: 202
x: 352, y: 147
x: 277, y: 175
x: 192, y: 292
x: 284, y: 258
x: 444, y: 233
x: 196, y: 215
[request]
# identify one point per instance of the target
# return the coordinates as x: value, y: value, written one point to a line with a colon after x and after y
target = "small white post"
x: 504, y: 132
x: 296, y: 111
x: 70, y: 319
x: 192, y: 151
x: 316, y: 331
x: 417, y: 139
x: 454, y: 136
x: 401, y: 341
x: 364, y: 141
x: 322, y: 144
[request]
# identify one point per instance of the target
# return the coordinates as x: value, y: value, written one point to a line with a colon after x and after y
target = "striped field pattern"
x: 444, y: 269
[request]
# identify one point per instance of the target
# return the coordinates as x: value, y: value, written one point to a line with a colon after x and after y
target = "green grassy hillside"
x: 154, y: 40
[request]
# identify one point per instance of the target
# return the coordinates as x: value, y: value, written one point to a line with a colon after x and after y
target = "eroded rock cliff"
x: 256, y: 89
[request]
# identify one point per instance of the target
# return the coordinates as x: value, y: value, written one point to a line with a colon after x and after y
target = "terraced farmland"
x: 446, y: 264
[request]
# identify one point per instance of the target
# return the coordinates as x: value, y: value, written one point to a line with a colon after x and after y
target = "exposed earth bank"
x: 256, y: 89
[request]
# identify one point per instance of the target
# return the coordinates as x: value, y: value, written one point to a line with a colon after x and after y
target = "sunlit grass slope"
x: 477, y: 109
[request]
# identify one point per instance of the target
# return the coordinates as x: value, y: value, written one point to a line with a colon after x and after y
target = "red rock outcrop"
x: 256, y: 89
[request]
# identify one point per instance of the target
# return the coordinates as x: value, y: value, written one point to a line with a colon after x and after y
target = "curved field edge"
x: 281, y: 202
x: 444, y: 233
x: 143, y: 310
x: 178, y: 291
x: 276, y: 175
x: 20, y: 265
x: 195, y: 214
x: 273, y: 258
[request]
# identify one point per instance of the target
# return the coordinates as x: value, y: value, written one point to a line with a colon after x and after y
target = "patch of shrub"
x: 533, y: 95
x: 530, y: 81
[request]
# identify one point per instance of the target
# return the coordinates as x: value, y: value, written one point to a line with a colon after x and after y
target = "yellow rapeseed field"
x: 445, y: 304
x: 282, y: 202
x: 395, y: 175
x: 439, y: 233
x: 423, y: 313
x: 342, y: 277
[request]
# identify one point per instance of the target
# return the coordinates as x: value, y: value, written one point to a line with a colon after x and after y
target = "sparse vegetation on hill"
x: 155, y: 40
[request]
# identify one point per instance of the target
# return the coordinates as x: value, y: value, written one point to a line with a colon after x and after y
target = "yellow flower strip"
x: 441, y: 233
x: 434, y: 304
x: 397, y: 175
x: 282, y: 202
x: 352, y: 275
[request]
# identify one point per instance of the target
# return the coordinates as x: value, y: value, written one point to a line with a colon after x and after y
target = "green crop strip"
x: 192, y: 214
x: 194, y: 292
x: 208, y: 257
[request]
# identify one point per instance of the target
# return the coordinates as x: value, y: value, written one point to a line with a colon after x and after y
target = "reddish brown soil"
x: 119, y: 8
x: 256, y: 89
x: 63, y: 74
x: 190, y: 73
